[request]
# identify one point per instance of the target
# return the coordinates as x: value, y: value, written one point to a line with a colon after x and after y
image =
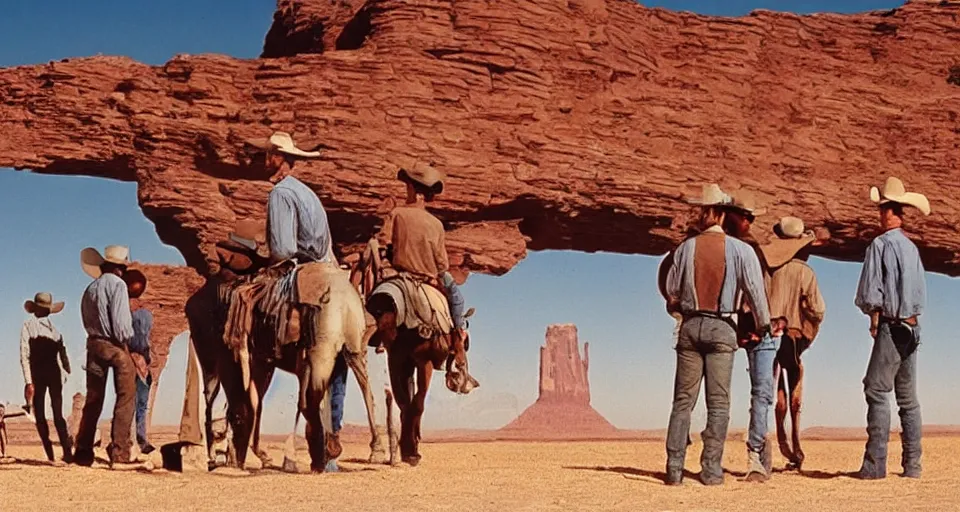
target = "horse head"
x: 458, y: 378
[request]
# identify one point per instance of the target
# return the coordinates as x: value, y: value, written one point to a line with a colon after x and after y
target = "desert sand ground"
x: 495, y: 476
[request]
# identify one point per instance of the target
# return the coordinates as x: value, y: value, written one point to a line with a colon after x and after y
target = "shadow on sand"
x: 645, y: 474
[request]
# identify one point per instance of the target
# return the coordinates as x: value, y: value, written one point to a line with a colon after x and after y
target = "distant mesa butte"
x: 562, y: 410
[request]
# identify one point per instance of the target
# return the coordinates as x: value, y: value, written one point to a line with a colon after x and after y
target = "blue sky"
x: 612, y: 298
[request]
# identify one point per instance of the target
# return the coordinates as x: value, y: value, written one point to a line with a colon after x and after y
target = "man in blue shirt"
x: 140, y: 352
x: 892, y: 292
x: 297, y: 227
x: 708, y: 273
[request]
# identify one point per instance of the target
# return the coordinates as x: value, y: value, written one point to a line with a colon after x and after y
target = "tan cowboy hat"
x: 894, y: 192
x: 136, y: 283
x: 711, y: 196
x: 43, y: 300
x: 282, y: 142
x: 422, y: 174
x: 791, y: 237
x: 745, y: 201
x: 90, y: 258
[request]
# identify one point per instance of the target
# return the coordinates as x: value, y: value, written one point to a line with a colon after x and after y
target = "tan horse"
x: 338, y: 325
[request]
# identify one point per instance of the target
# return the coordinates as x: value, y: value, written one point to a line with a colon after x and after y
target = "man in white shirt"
x: 43, y: 358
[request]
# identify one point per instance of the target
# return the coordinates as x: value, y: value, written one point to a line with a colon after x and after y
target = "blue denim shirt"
x: 743, y: 274
x: 142, y: 324
x: 892, y: 280
x: 105, y: 309
x: 297, y: 223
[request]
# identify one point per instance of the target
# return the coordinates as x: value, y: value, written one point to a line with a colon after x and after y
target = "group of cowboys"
x: 118, y: 337
x: 727, y: 292
x: 297, y: 229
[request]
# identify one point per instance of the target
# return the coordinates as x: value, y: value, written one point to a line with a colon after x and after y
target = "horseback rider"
x: 297, y: 228
x: 415, y: 238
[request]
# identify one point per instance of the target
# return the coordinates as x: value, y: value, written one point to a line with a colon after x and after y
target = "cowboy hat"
x: 894, y: 192
x: 744, y: 201
x: 711, y: 196
x: 43, y: 300
x: 282, y: 142
x: 136, y: 283
x: 422, y: 174
x: 90, y: 258
x: 791, y: 237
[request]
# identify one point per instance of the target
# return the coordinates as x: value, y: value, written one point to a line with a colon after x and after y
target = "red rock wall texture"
x: 562, y: 410
x: 575, y: 124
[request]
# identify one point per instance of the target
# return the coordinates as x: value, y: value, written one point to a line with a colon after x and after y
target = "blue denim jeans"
x: 454, y: 298
x: 338, y: 391
x: 705, y: 352
x: 888, y: 371
x: 760, y: 359
x: 143, y: 398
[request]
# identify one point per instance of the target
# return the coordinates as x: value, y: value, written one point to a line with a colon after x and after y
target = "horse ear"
x: 469, y: 312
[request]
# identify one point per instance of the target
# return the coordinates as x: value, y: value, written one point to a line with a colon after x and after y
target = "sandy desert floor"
x: 496, y: 476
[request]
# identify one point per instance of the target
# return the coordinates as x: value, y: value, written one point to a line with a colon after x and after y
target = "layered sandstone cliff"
x: 577, y: 124
x: 562, y: 410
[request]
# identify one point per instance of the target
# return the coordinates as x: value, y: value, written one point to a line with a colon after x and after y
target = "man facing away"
x: 761, y: 351
x: 43, y: 359
x: 142, y: 321
x: 297, y: 228
x: 707, y: 274
x: 105, y: 310
x: 796, y: 303
x: 892, y: 292
x: 416, y: 238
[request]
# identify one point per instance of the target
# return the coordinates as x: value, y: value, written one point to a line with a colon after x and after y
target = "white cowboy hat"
x: 894, y: 192
x: 43, y: 300
x: 745, y: 201
x: 90, y: 258
x: 712, y: 196
x: 282, y: 142
x: 791, y: 237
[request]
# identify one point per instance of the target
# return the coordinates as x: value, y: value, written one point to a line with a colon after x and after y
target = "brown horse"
x: 789, y: 371
x: 411, y: 357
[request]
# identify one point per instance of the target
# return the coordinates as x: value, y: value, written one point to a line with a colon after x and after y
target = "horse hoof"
x: 378, y: 457
x: 289, y: 466
x: 412, y: 460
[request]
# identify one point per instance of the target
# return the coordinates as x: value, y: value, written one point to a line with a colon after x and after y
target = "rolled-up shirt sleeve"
x: 281, y: 226
x: 25, y: 354
x: 121, y: 323
x: 869, y: 292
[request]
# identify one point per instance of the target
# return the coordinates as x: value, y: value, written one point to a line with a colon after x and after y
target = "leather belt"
x: 911, y: 321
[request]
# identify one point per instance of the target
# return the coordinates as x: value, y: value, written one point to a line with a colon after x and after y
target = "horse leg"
x: 358, y: 364
x: 261, y: 379
x: 781, y: 413
x: 392, y: 434
x: 401, y: 382
x: 314, y: 380
x: 239, y: 411
x: 796, y: 400
x: 424, y: 374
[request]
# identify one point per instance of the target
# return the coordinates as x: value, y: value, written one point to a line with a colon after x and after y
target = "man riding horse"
x: 418, y: 312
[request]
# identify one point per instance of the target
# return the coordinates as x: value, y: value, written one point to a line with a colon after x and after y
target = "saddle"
x: 271, y: 302
x: 421, y: 305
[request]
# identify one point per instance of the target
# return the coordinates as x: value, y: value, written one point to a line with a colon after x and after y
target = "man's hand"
x: 778, y: 327
x: 28, y: 392
x: 873, y: 332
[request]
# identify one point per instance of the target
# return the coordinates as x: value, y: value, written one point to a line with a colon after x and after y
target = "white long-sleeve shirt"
x: 35, y: 327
